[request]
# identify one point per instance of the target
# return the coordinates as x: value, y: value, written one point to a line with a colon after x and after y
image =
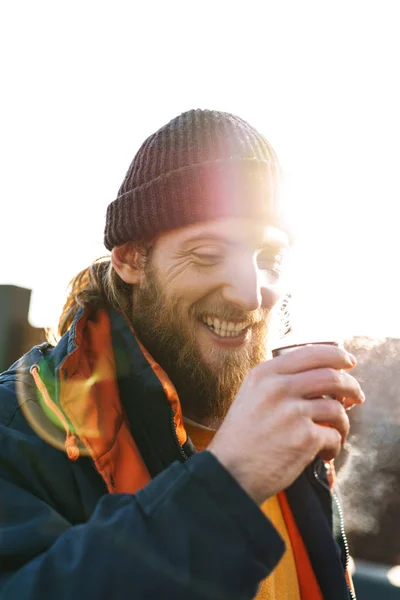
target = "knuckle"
x: 272, y: 385
x: 313, y: 436
x: 286, y: 385
x: 337, y: 412
x: 301, y: 411
x: 308, y: 433
x: 275, y: 388
x: 338, y: 437
x: 345, y: 417
x: 334, y: 377
x: 330, y: 378
x: 280, y: 386
x: 291, y: 412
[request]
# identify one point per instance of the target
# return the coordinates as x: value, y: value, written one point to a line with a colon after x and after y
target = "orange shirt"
x: 282, y: 583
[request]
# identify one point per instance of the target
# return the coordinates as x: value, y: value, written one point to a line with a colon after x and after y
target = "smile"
x: 224, y: 328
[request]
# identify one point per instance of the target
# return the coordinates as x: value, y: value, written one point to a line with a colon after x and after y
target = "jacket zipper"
x: 173, y: 427
x: 342, y: 530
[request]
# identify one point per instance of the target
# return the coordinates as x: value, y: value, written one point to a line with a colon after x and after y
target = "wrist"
x: 237, y: 469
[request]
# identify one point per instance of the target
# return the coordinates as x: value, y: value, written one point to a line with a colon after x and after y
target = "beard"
x: 206, y: 386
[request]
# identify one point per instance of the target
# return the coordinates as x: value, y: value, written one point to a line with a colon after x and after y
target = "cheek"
x: 191, y: 289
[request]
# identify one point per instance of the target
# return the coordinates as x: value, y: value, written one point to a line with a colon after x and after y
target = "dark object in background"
x: 372, y: 581
x: 17, y: 336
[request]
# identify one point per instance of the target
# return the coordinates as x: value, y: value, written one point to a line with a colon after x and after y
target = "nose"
x: 248, y: 288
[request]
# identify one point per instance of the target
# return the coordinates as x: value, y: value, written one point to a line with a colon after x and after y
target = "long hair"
x: 98, y: 285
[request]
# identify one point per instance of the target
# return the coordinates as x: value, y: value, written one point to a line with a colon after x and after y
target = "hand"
x: 273, y: 430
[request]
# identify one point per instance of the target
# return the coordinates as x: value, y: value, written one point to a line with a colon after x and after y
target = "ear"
x: 128, y: 262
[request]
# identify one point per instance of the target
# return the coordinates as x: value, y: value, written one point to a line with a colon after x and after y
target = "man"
x: 155, y: 452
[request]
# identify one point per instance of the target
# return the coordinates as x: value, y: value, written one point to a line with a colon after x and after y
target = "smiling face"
x: 202, y: 307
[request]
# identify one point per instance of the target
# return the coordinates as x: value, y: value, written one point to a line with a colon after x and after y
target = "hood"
x: 87, y: 387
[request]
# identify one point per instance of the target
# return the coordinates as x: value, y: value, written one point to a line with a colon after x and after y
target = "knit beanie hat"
x: 202, y: 165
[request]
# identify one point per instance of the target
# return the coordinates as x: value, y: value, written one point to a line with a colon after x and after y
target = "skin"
x: 194, y: 266
x: 227, y: 268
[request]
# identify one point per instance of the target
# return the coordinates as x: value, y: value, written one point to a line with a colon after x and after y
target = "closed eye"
x: 206, y: 259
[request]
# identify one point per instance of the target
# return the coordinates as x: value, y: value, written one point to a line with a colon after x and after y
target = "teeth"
x: 221, y: 332
x: 224, y: 328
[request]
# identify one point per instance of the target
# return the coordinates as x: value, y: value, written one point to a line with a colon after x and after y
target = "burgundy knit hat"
x: 202, y: 165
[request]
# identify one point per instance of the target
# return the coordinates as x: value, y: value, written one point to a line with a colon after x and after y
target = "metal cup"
x: 284, y: 349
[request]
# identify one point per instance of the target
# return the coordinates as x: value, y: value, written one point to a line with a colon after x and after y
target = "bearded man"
x: 156, y: 451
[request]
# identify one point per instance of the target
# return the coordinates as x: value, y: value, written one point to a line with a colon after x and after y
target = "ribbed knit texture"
x: 202, y: 165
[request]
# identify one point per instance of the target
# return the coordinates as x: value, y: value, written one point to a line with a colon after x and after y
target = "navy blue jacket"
x: 192, y: 532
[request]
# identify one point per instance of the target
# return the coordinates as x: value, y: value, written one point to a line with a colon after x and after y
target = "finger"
x: 347, y: 404
x: 328, y: 412
x: 313, y: 356
x: 326, y: 381
x: 329, y: 441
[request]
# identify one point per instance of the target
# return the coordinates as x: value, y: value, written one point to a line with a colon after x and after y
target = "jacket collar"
x: 117, y: 403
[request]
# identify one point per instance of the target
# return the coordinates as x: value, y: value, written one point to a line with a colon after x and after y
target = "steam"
x: 366, y: 481
x: 370, y: 474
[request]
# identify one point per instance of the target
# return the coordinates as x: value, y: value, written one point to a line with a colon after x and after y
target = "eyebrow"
x: 274, y: 241
x: 216, y: 237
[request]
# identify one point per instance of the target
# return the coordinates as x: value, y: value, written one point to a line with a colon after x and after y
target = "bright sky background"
x: 84, y: 83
